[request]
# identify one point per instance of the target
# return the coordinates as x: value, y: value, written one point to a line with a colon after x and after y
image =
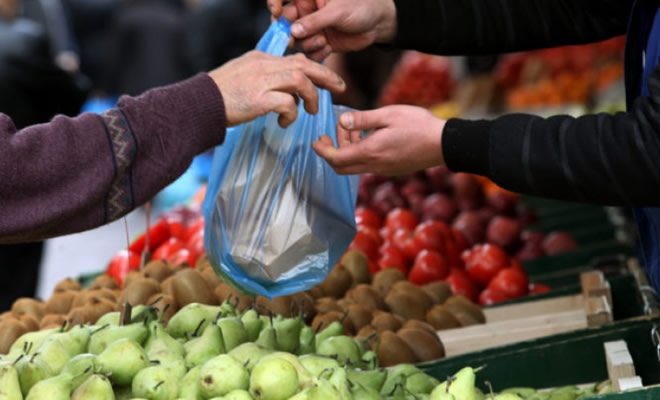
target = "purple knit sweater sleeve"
x: 73, y: 174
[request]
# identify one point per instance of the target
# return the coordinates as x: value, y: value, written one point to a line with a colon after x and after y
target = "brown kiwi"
x: 7, y: 314
x: 461, y: 303
x: 367, y: 296
x: 211, y: 278
x: 339, y: 280
x: 280, y: 305
x: 166, y: 286
x: 104, y: 281
x: 67, y: 284
x: 357, y: 265
x: 98, y: 307
x: 306, y: 301
x: 418, y: 292
x: 166, y: 303
x: 29, y: 321
x: 327, y: 304
x: 465, y: 318
x: 316, y: 292
x: 440, y: 318
x: 107, y: 294
x: 26, y: 305
x: 365, y: 332
x: 385, y: 279
x: 130, y: 277
x: 60, y: 302
x: 10, y: 330
x: 202, y: 263
x: 359, y: 315
x: 52, y: 319
x: 417, y: 324
x: 139, y: 291
x: 439, y: 291
x: 386, y: 322
x: 158, y: 270
x: 406, y: 305
x: 393, y: 350
x: 77, y: 316
x: 225, y: 291
x: 425, y: 345
x: 328, y: 318
x: 344, y: 303
x: 189, y: 287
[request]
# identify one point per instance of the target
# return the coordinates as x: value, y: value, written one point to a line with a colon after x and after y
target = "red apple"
x: 468, y: 193
x: 504, y: 232
x: 559, y: 242
x: 501, y: 203
x: 532, y: 237
x: 530, y: 251
x: 385, y: 198
x: 472, y: 226
x: 414, y: 186
x: 416, y: 204
x: 439, y: 207
x: 439, y: 178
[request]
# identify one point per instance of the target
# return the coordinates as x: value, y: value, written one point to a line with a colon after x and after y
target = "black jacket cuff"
x: 465, y: 146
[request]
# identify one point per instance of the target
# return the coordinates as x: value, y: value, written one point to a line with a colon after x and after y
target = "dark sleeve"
x: 74, y: 174
x: 601, y: 159
x: 467, y: 27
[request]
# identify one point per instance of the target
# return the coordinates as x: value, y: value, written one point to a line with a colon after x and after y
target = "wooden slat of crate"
x: 534, y: 308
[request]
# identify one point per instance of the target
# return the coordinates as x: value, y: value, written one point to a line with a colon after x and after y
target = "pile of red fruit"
x: 437, y: 225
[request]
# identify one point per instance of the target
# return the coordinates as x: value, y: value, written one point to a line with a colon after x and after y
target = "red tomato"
x: 196, y: 226
x: 403, y: 240
x: 491, y: 296
x: 367, y: 217
x: 460, y: 283
x: 429, y: 266
x: 165, y: 250
x: 393, y: 257
x: 121, y: 264
x: 158, y: 234
x: 511, y: 281
x: 373, y: 267
x: 182, y: 256
x: 401, y: 218
x: 365, y: 244
x: 196, y: 244
x: 387, y: 233
x: 459, y: 239
x: 453, y: 255
x: 372, y: 233
x: 177, y: 229
x: 538, y: 288
x: 485, y: 262
x: 429, y: 236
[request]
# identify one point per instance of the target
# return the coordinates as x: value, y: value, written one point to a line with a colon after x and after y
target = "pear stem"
x: 33, y: 356
x: 100, y: 329
x: 153, y: 303
x: 318, y: 327
x: 450, y: 380
x: 199, y: 326
x: 162, y: 313
x: 302, y: 309
x: 158, y: 384
x: 480, y: 368
x: 293, y: 308
x: 490, y: 387
x: 18, y: 359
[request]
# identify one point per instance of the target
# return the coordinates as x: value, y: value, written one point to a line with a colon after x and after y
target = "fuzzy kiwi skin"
x: 460, y: 303
x: 26, y: 305
x: 67, y: 284
x: 441, y: 318
x: 407, y: 287
x: 225, y: 292
x: 52, y: 320
x: 139, y: 291
x: 189, y: 287
x: 367, y: 296
x: 164, y: 302
x: 386, y: 322
x: 60, y: 302
x: 337, y: 283
x: 406, y: 305
x: 158, y: 270
x: 417, y: 324
x: 104, y: 281
x: 426, y: 346
x: 10, y: 330
x: 359, y: 315
x: 439, y: 291
x: 385, y: 279
x: 393, y: 350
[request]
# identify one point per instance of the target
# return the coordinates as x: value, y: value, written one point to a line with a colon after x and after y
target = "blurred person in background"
x: 32, y: 90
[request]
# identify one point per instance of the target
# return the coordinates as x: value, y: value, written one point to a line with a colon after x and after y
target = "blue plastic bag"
x: 278, y: 218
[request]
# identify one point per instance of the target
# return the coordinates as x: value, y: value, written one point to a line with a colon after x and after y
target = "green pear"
x: 238, y: 394
x: 539, y: 396
x: 30, y: 371
x: 523, y: 392
x: 268, y: 337
x: 462, y: 385
x: 79, y: 368
x: 96, y: 387
x: 508, y: 396
x: 209, y: 345
x: 221, y: 375
x: 54, y: 354
x: 75, y: 341
x: 188, y: 319
x: 249, y: 354
x: 342, y: 347
x: 112, y: 318
x: 371, y: 379
x: 305, y: 378
x: 369, y: 360
x: 316, y: 364
x: 155, y: 383
x: 361, y: 392
x: 103, y: 337
x: 169, y: 360
x: 273, y: 379
x: 31, y: 341
x: 302, y: 395
x: 306, y: 339
x: 420, y: 383
x: 55, y: 388
x: 339, y: 380
x: 334, y: 329
x: 287, y: 332
x: 189, y: 387
x: 324, y: 390
x: 159, y: 338
x: 10, y: 387
x: 252, y: 324
x: 233, y: 332
x: 124, y: 358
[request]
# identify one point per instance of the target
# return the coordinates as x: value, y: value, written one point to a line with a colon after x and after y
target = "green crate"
x: 566, y: 359
x: 651, y: 393
x: 86, y: 280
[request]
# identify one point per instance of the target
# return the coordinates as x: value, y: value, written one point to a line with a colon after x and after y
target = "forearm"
x: 463, y: 27
x: 74, y: 174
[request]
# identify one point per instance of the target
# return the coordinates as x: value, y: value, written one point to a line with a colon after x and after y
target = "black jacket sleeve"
x: 472, y: 27
x: 602, y: 159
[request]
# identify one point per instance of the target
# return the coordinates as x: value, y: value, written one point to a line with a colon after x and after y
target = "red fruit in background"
x: 367, y: 217
x: 121, y: 263
x: 439, y: 207
x: 439, y: 177
x: 532, y: 237
x: 373, y: 267
x: 182, y: 214
x: 165, y: 250
x: 486, y: 214
x: 459, y: 239
x: 430, y: 235
x: 530, y: 251
x: 365, y: 244
x: 196, y: 244
x: 196, y: 226
x: 400, y: 218
x: 415, y: 186
x: 157, y: 234
x: 504, y: 232
x: 501, y: 202
x: 183, y: 256
x: 416, y: 204
x: 490, y: 296
x: 472, y: 226
x: 385, y: 198
x: 393, y: 258
x: 372, y: 233
x: 484, y: 262
x: 538, y: 288
x: 177, y: 229
x: 526, y: 215
x: 403, y: 240
x: 387, y: 233
x: 511, y: 281
x: 559, y: 242
x: 371, y: 179
x: 429, y: 266
x: 468, y: 192
x: 460, y: 283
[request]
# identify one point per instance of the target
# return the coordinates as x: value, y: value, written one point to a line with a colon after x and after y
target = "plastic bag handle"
x: 276, y: 39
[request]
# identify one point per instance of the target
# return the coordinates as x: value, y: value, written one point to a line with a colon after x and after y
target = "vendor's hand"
x: 257, y: 83
x: 405, y: 139
x: 324, y: 26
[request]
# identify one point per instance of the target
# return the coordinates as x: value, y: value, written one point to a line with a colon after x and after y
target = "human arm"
x: 73, y: 174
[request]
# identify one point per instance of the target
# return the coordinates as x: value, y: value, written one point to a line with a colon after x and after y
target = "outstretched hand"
x: 404, y: 139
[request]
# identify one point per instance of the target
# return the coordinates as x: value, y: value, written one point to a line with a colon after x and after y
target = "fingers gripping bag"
x: 278, y: 218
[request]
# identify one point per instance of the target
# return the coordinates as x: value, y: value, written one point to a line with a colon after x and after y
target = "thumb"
x: 317, y: 21
x: 364, y: 120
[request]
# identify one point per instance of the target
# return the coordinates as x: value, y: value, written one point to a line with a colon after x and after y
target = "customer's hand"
x: 405, y: 139
x: 323, y: 26
x: 257, y: 83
